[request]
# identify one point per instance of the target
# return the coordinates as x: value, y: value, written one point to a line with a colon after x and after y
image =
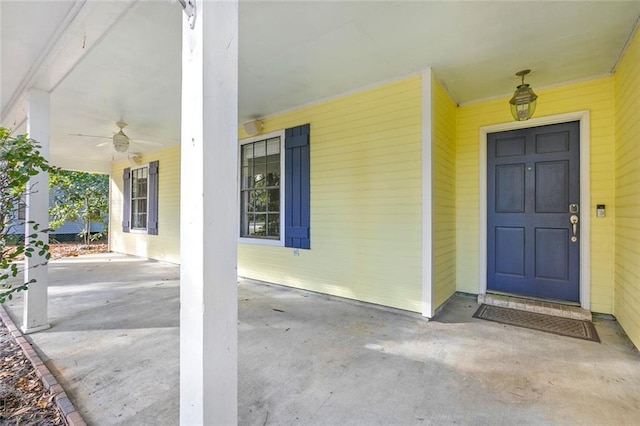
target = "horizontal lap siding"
x: 593, y: 95
x: 627, y: 211
x: 365, y: 200
x: 444, y: 194
x: 166, y: 245
x: 469, y: 120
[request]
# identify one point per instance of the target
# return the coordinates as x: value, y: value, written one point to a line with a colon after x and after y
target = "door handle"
x: 574, y: 225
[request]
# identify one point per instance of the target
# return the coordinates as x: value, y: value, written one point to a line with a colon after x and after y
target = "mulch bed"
x: 59, y: 250
x: 23, y: 399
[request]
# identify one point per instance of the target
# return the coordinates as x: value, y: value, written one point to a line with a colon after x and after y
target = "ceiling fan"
x: 120, y: 141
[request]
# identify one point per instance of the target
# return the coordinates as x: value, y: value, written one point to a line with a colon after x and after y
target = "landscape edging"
x: 71, y: 416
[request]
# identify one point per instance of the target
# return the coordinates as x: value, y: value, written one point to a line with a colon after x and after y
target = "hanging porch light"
x: 523, y: 102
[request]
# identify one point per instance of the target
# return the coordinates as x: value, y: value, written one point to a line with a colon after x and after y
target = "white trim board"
x: 585, y: 194
x: 427, y: 196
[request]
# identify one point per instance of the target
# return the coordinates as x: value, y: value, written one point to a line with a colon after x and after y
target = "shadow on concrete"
x: 316, y: 360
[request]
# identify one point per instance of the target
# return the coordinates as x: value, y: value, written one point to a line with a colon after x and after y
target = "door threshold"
x: 539, y: 299
x: 541, y: 306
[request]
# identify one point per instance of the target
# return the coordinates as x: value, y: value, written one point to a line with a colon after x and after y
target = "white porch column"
x: 35, y: 316
x: 209, y: 216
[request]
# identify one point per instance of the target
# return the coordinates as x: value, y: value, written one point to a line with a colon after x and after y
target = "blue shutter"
x: 297, y: 187
x: 126, y: 202
x: 152, y: 213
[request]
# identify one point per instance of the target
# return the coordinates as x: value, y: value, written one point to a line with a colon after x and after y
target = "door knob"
x: 574, y: 225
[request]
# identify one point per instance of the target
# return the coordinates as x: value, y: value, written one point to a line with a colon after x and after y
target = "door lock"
x: 574, y: 208
x: 574, y: 225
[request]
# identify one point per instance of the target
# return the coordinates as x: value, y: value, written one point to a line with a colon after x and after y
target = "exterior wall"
x: 444, y: 194
x: 627, y: 190
x: 74, y: 228
x: 594, y: 95
x: 366, y: 235
x: 67, y: 228
x: 166, y: 245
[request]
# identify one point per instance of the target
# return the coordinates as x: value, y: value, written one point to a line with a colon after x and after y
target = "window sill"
x: 261, y: 242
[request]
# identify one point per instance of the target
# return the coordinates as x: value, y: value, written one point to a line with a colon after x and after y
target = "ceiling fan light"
x: 120, y: 142
x: 120, y: 148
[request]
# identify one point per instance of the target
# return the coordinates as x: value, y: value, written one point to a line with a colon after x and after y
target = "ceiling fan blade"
x: 89, y: 136
x: 103, y: 144
x: 141, y: 142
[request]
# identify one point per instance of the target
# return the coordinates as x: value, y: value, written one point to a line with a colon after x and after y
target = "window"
x: 275, y: 188
x: 260, y: 189
x: 140, y: 204
x: 139, y: 197
x: 22, y: 209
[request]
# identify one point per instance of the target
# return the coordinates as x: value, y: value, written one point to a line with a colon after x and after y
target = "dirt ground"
x: 23, y: 399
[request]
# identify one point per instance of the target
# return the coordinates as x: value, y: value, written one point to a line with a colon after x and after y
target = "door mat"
x: 535, y: 321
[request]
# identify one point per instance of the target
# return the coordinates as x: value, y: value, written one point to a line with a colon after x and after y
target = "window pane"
x: 249, y: 225
x: 22, y: 210
x: 142, y: 188
x: 244, y: 201
x: 247, y: 154
x: 260, y: 225
x: 273, y: 174
x: 273, y: 227
x: 139, y: 220
x: 251, y: 176
x: 259, y: 152
x: 259, y: 200
x: 274, y: 200
x: 273, y: 147
x: 245, y: 179
x: 141, y: 205
x: 244, y: 225
x: 259, y: 180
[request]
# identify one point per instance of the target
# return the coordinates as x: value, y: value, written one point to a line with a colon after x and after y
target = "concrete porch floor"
x: 309, y: 359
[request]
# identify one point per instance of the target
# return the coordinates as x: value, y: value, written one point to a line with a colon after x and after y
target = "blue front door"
x: 533, y: 190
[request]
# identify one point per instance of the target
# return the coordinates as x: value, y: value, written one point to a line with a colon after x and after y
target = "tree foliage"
x: 79, y: 196
x: 20, y: 160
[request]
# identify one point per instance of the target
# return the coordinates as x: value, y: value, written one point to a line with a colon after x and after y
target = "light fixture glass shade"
x: 523, y: 103
x: 120, y: 142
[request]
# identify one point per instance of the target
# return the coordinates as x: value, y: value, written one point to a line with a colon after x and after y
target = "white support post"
x: 35, y: 312
x: 209, y: 216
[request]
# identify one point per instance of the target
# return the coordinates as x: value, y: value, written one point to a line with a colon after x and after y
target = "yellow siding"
x: 627, y: 184
x: 166, y: 245
x: 366, y: 234
x: 593, y: 95
x: 444, y: 194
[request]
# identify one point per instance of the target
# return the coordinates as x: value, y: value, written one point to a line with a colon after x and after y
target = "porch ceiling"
x: 121, y: 60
